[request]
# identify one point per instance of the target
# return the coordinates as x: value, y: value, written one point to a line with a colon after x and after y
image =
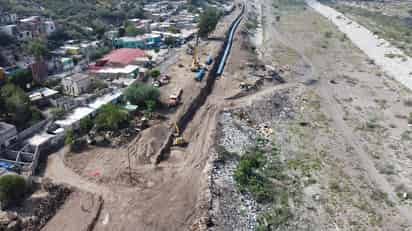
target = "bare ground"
x: 348, y: 118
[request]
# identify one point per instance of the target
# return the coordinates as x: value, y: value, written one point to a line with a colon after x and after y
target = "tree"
x: 99, y: 28
x: 173, y: 29
x: 208, y: 21
x: 58, y: 112
x: 139, y: 93
x: 38, y: 49
x: 16, y: 104
x: 86, y: 124
x: 150, y: 107
x: 69, y: 137
x: 155, y: 73
x: 111, y: 117
x: 12, y: 189
x: 170, y: 41
x: 131, y: 30
x: 22, y: 78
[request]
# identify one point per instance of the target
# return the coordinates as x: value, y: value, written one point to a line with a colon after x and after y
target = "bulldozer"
x: 178, y: 139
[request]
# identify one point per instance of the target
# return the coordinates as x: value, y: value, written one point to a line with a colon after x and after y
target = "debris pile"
x: 41, y: 211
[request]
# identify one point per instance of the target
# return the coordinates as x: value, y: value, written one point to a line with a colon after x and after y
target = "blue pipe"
x: 229, y: 43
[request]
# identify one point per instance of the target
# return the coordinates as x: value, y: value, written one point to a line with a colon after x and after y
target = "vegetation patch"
x: 261, y: 173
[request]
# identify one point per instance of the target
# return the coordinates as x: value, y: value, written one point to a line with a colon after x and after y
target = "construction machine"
x: 195, y: 59
x: 178, y: 139
x: 174, y: 99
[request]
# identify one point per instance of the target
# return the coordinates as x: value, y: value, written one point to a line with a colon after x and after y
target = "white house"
x: 8, y: 135
x: 76, y: 84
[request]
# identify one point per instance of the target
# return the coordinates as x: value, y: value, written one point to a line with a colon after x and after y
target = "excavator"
x: 178, y: 139
x: 195, y: 59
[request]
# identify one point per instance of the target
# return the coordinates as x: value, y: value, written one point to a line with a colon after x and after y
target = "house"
x: 76, y: 84
x: 10, y: 30
x: 39, y: 71
x: 147, y: 41
x: 120, y: 57
x: 7, y: 18
x: 42, y: 96
x: 8, y: 135
x: 129, y: 42
x: 67, y: 64
x: 129, y: 71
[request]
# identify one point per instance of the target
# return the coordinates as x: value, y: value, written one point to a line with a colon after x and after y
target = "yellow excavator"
x: 178, y: 139
x: 195, y: 59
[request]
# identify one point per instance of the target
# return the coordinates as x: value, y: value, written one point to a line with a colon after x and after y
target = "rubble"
x: 34, y: 214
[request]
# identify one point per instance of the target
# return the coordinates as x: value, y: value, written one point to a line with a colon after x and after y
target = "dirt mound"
x: 150, y: 142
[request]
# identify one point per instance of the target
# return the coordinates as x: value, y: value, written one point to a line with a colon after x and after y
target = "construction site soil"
x: 339, y: 123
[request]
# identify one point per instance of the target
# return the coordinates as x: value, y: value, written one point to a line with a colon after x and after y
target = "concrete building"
x: 49, y: 27
x: 10, y: 30
x: 8, y: 135
x: 7, y: 18
x: 76, y: 84
x: 147, y: 41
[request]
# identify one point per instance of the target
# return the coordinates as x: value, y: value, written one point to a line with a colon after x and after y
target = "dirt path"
x: 60, y: 173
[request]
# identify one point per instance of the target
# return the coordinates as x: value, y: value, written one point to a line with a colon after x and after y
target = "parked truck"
x: 174, y: 98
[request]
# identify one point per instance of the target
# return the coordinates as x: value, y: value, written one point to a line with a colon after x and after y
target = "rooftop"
x: 78, y: 77
x: 5, y: 127
x: 41, y: 93
x: 123, y: 56
x: 121, y: 70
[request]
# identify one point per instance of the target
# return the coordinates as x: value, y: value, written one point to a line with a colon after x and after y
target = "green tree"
x: 38, y: 49
x: 69, y: 137
x: 208, y: 21
x: 154, y: 73
x: 22, y: 78
x: 131, y: 30
x: 86, y: 124
x: 58, y: 112
x: 139, y: 93
x: 16, y: 104
x: 12, y: 189
x: 170, y: 41
x: 111, y: 117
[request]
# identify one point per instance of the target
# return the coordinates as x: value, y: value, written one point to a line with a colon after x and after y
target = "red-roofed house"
x: 121, y: 57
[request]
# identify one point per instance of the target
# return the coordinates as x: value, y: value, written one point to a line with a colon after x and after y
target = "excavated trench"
x: 217, y: 69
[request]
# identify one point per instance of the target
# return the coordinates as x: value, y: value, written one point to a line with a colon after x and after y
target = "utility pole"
x: 129, y: 152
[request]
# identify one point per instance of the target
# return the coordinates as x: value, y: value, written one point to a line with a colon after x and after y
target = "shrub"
x: 328, y: 34
x: 154, y: 73
x: 111, y: 117
x: 86, y: 124
x: 69, y: 137
x: 139, y: 93
x: 248, y: 178
x: 58, y: 112
x: 12, y: 189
